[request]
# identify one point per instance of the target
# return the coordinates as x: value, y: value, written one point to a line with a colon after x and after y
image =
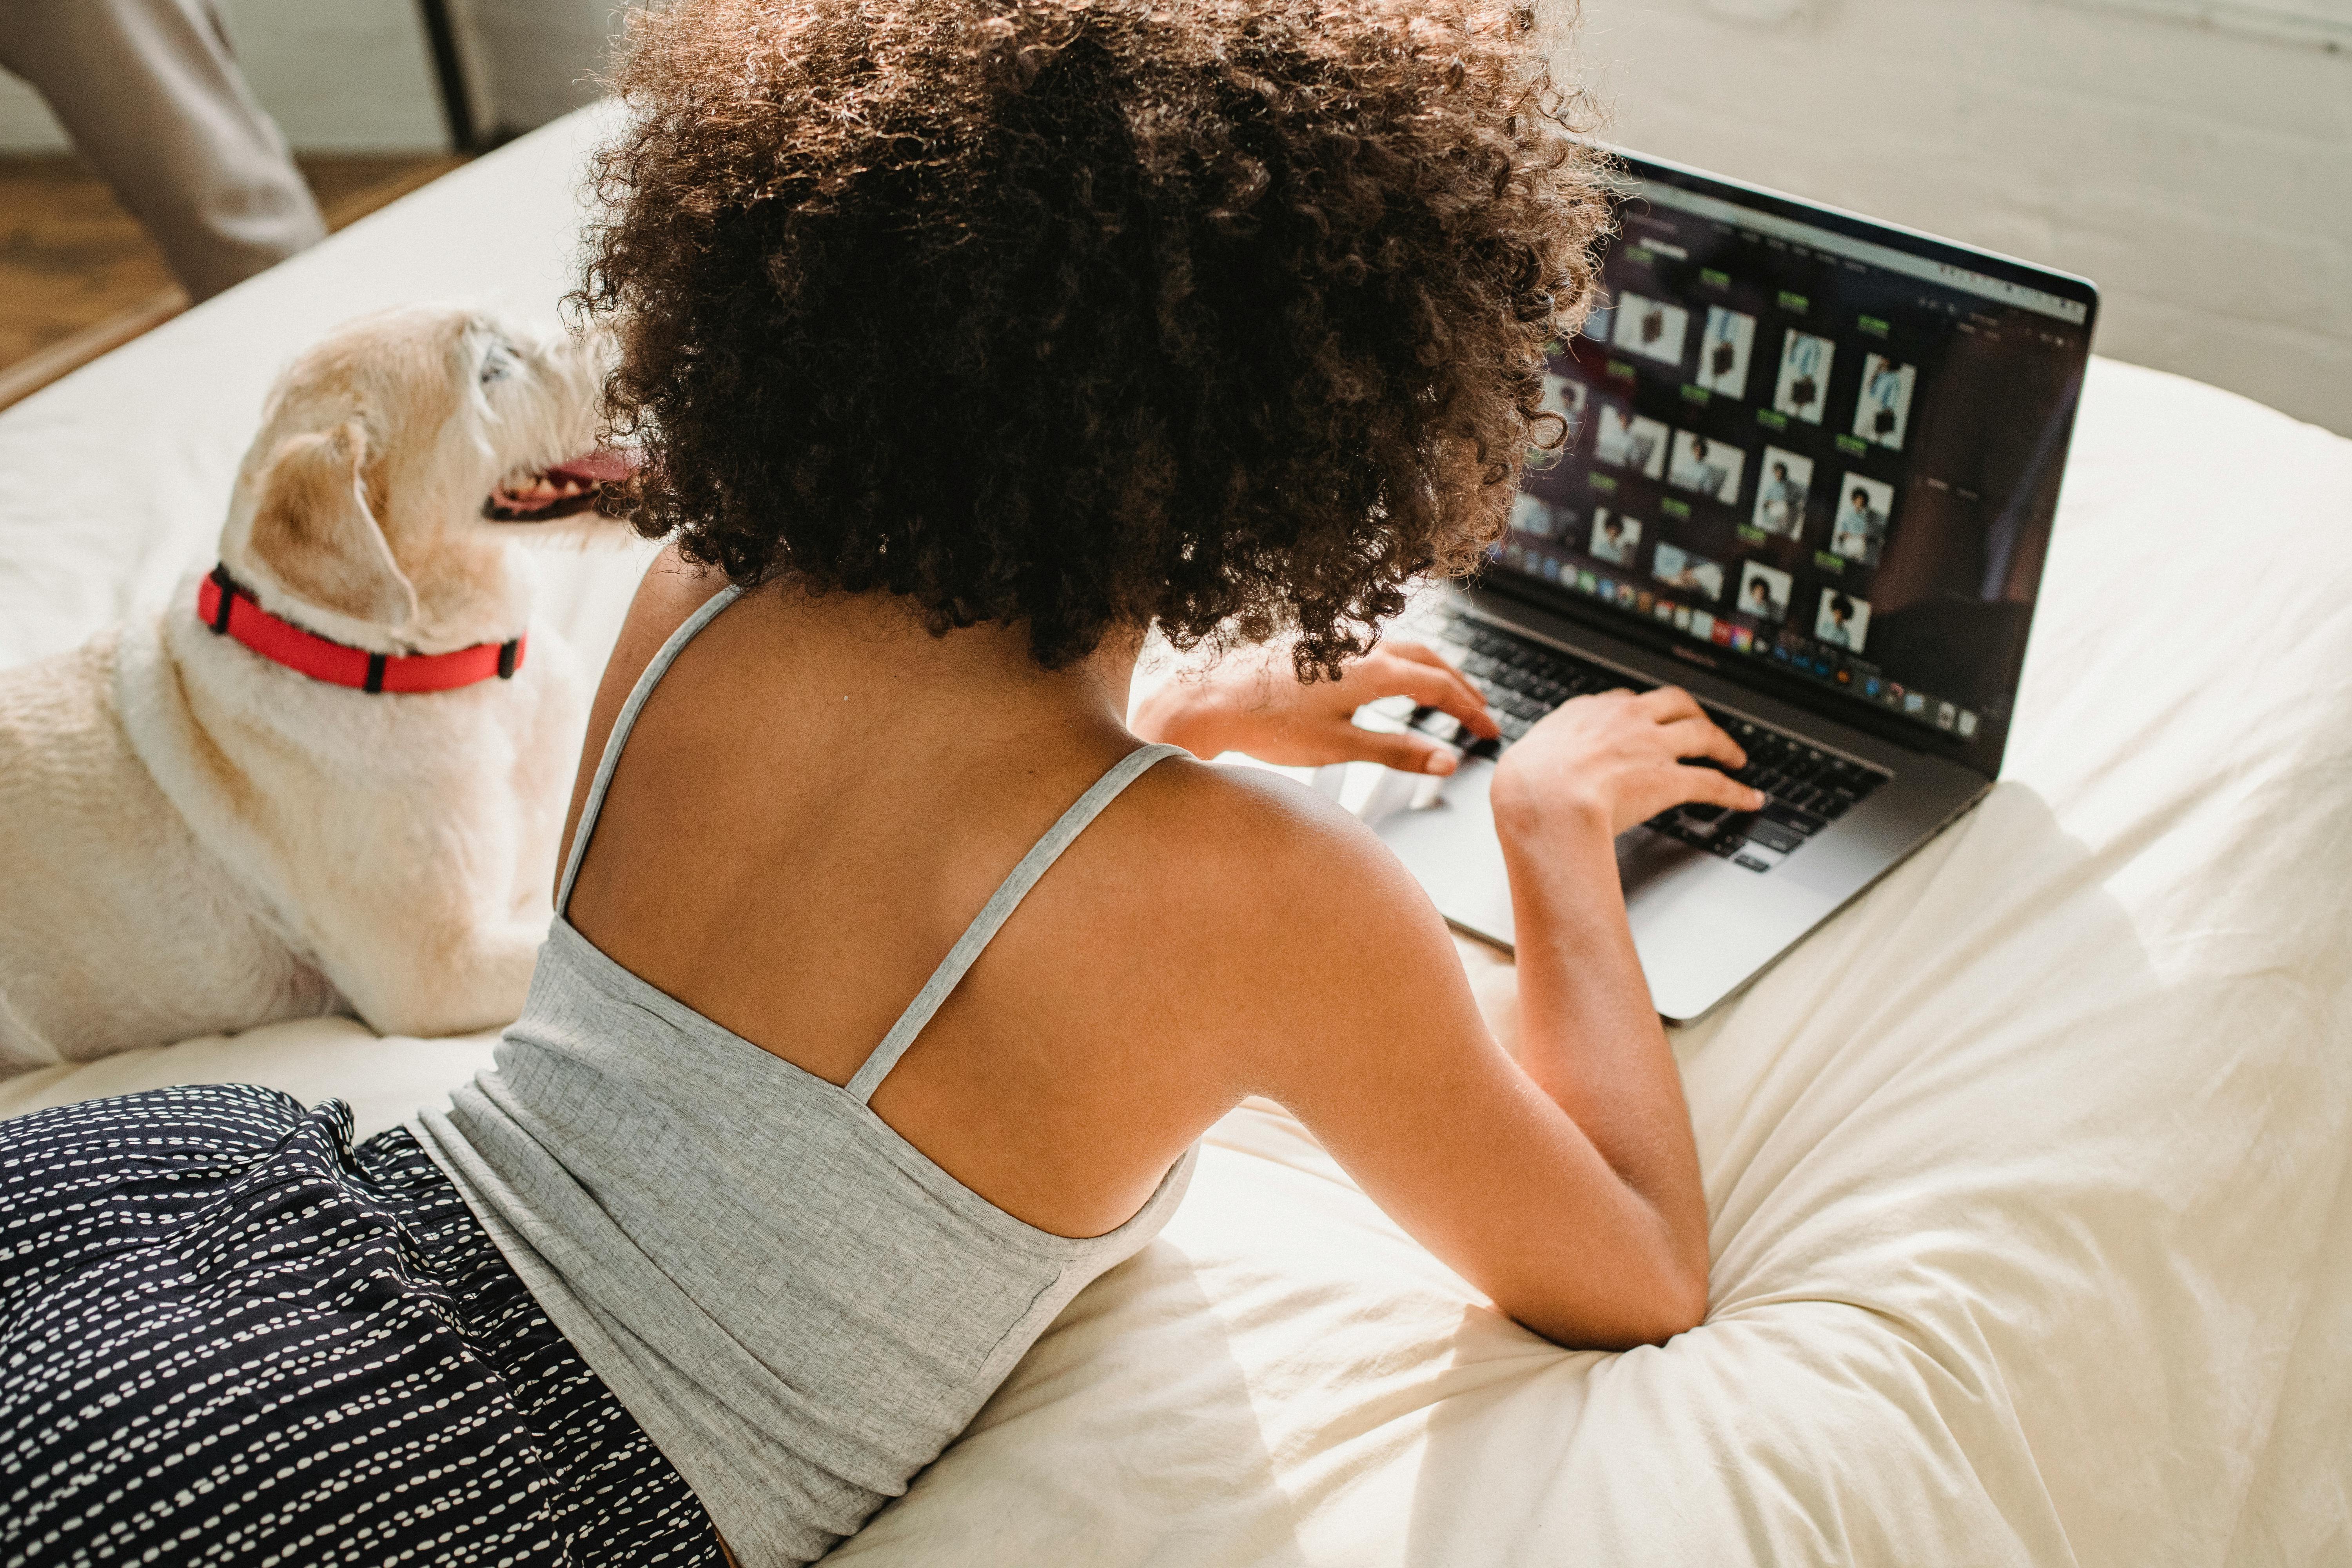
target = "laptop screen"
x: 1811, y: 450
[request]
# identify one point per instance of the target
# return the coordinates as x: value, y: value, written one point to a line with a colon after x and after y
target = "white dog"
x: 333, y: 772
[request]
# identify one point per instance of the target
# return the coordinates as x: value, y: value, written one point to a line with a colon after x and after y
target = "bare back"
x: 820, y: 794
x: 807, y: 814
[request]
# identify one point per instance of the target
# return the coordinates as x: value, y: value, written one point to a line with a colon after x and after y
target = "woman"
x: 1783, y: 504
x: 1836, y: 624
x: 968, y: 344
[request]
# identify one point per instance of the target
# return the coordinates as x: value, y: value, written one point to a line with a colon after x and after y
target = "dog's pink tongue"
x: 604, y: 467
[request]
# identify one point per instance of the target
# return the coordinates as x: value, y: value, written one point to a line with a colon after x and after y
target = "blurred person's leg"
x: 152, y: 98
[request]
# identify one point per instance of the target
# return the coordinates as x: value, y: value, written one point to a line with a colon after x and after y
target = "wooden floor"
x: 78, y: 275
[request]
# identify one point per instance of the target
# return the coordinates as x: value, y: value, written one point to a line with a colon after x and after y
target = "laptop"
x: 1813, y: 466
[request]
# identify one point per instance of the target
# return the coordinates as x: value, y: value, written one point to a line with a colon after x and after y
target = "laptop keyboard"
x: 1808, y: 788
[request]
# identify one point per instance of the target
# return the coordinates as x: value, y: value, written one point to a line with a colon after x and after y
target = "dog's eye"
x: 498, y: 363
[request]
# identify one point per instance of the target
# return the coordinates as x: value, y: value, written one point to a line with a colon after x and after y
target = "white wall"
x: 24, y: 122
x: 340, y: 76
x: 536, y: 58
x: 2200, y: 174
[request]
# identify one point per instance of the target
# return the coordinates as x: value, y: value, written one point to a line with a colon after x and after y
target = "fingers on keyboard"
x: 1808, y: 788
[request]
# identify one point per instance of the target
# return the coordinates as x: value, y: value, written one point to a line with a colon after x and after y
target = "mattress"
x: 2027, y: 1175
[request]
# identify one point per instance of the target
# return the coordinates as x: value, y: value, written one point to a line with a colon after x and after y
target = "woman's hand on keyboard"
x: 1257, y: 705
x: 1615, y: 759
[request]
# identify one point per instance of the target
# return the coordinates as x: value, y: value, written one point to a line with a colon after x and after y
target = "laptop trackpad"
x: 1444, y: 831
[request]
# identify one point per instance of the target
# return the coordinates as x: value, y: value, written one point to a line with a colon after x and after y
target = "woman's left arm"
x: 1255, y: 703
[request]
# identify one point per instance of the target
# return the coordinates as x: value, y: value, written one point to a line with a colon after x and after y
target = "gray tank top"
x: 798, y: 1307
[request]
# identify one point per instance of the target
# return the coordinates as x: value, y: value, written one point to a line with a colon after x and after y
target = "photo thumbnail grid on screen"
x: 1800, y: 445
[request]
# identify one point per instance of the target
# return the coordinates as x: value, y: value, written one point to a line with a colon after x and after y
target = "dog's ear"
x: 313, y: 528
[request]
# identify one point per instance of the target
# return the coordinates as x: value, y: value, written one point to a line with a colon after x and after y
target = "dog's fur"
x: 194, y: 838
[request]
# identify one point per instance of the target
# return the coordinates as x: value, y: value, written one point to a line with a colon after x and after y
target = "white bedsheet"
x: 2029, y: 1176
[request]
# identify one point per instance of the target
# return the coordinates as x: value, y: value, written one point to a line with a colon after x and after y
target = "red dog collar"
x: 229, y: 608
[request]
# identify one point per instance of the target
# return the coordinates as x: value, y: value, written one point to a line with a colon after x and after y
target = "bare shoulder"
x: 1250, y: 830
x: 672, y: 589
x: 1290, y: 915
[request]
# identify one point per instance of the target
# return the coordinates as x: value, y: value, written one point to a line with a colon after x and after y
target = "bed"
x: 2028, y: 1175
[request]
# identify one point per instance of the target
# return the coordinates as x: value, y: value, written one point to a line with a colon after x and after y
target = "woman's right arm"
x: 1565, y: 1185
x: 1589, y: 1035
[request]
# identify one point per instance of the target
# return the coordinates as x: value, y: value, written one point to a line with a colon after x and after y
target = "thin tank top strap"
x: 998, y: 909
x: 627, y: 718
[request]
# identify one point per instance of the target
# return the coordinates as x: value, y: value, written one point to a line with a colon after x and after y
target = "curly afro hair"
x: 1225, y: 316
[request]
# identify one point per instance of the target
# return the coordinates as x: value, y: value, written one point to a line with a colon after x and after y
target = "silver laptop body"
x: 1814, y: 463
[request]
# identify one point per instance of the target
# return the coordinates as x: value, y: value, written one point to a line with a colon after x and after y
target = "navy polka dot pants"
x: 229, y: 1336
